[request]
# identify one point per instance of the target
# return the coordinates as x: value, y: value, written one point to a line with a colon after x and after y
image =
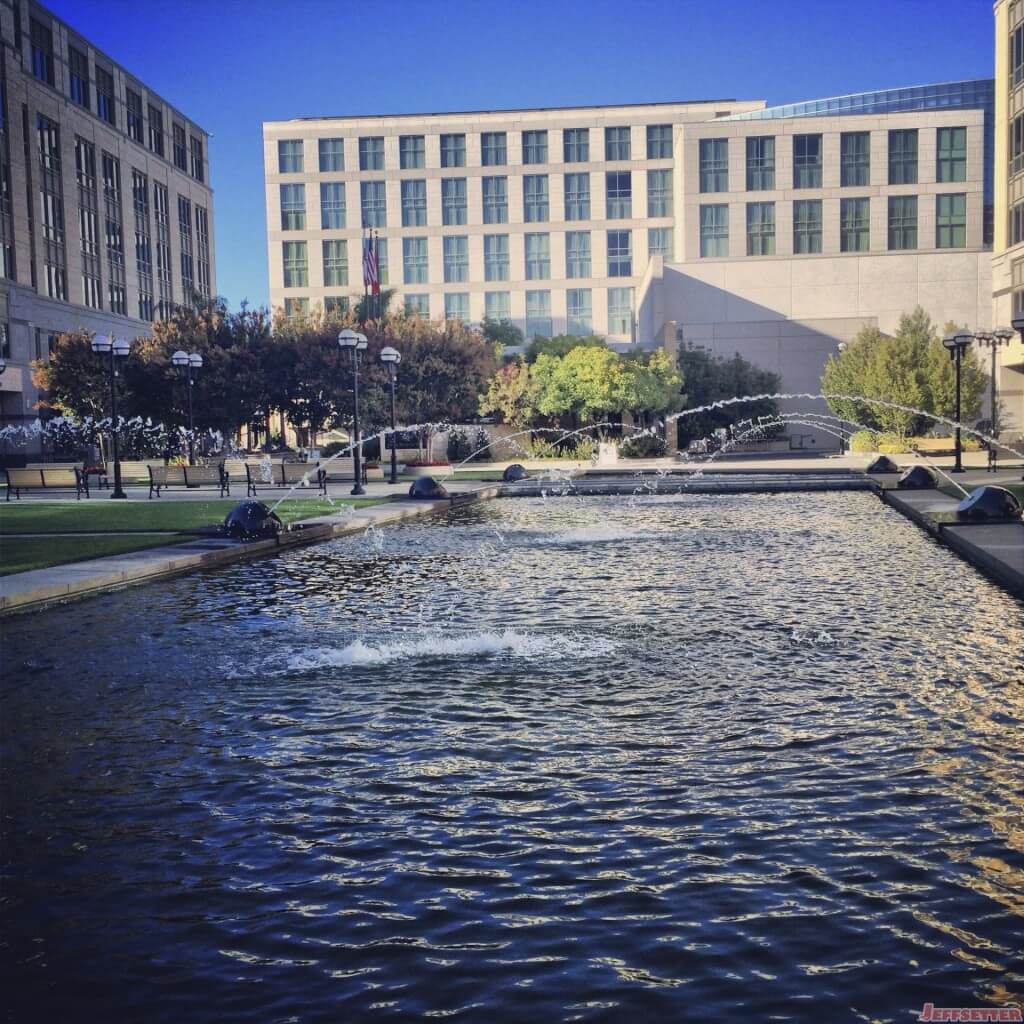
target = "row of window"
x: 496, y: 265
x: 854, y: 160
x: 494, y: 202
x: 494, y: 148
x: 854, y: 225
x: 185, y: 153
x: 498, y: 306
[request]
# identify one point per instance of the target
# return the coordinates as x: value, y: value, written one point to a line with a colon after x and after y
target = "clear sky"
x: 232, y: 64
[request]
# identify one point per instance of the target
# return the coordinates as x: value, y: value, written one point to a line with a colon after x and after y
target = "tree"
x: 75, y: 382
x: 561, y: 344
x: 654, y: 385
x: 502, y: 332
x: 710, y: 379
x: 512, y: 394
x: 585, y: 384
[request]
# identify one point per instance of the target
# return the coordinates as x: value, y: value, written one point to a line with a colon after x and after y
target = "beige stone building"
x: 1008, y: 248
x: 106, y: 212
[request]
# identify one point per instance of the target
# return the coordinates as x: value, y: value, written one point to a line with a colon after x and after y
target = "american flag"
x: 371, y: 278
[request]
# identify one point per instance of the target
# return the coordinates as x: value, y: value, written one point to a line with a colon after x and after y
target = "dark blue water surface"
x: 598, y: 760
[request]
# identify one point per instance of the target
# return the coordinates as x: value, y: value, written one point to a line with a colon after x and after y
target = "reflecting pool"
x: 596, y: 759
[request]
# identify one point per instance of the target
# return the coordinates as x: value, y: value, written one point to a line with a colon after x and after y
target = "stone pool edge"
x: 40, y: 588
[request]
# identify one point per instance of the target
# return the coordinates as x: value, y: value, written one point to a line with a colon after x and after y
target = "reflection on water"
x: 571, y: 759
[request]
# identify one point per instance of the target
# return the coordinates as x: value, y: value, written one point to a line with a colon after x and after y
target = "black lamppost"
x: 842, y: 441
x: 355, y: 343
x: 957, y: 344
x: 188, y: 365
x: 115, y: 348
x: 995, y: 341
x: 391, y: 357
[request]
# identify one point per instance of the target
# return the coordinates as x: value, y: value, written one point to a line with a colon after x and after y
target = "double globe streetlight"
x: 188, y: 365
x: 391, y: 357
x: 107, y: 346
x: 355, y: 343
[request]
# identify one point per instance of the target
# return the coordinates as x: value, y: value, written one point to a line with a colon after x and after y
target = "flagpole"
x: 376, y: 265
x: 366, y: 284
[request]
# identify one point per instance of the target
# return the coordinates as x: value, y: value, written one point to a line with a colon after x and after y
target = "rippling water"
x: 660, y: 759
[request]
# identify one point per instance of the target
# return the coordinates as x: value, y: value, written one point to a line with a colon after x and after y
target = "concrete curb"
x: 29, y: 591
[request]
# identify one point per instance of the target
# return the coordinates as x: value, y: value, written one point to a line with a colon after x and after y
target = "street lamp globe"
x: 102, y: 344
x: 361, y: 342
x: 390, y: 355
x: 1018, y: 324
x: 348, y: 338
x: 122, y: 346
x: 1003, y: 335
x: 180, y: 359
x: 195, y: 362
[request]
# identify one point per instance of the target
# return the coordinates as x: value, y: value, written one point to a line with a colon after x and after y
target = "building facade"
x: 1008, y: 247
x: 106, y: 212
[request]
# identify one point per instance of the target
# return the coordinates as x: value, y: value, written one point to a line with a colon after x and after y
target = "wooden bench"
x: 277, y: 475
x: 19, y: 480
x: 162, y: 478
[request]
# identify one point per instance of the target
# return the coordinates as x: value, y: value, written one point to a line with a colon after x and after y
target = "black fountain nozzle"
x: 990, y: 504
x: 513, y: 473
x: 426, y: 488
x: 252, y: 520
x: 918, y: 478
x: 883, y: 464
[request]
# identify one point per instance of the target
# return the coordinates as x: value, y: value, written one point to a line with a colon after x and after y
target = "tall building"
x: 1008, y: 247
x: 106, y: 213
x: 773, y: 232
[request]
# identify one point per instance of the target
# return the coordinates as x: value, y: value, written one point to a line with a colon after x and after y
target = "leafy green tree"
x: 76, y: 381
x: 502, y: 332
x: 654, y: 386
x: 512, y: 394
x: 561, y: 344
x: 585, y: 385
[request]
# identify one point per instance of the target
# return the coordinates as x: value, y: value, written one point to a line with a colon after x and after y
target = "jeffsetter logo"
x: 933, y: 1012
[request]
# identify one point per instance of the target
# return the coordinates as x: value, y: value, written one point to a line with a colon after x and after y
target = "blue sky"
x: 231, y: 64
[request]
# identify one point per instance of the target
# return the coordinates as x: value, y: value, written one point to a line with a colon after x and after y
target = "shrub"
x: 541, y: 447
x: 643, y: 446
x: 863, y: 441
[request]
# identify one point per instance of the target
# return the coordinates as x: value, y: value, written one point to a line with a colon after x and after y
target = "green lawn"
x: 20, y: 554
x: 159, y: 514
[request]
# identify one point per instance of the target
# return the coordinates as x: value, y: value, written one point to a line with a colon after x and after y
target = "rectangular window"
x: 456, y: 306
x: 714, y: 230
x: 579, y: 313
x: 296, y: 264
x: 903, y: 222
x: 5, y: 341
x: 807, y: 226
x: 760, y: 229
x: 293, y: 207
x: 412, y: 152
x: 88, y: 223
x: 156, y: 130
x: 373, y: 204
x: 185, y: 244
x: 538, y: 315
x: 855, y: 159
x: 203, y: 250
x: 616, y: 144
x: 761, y: 163
x: 456, y: 259
x: 382, y: 260
x: 495, y: 257
x: 535, y: 147
x: 162, y: 217
x: 331, y: 154
x: 620, y: 311
x: 196, y: 158
x: 414, y: 260
x: 178, y: 147
x: 289, y: 156
x: 497, y: 305
x: 495, y: 200
x: 414, y: 204
x: 577, y: 254
x: 78, y: 77
x: 493, y: 149
x: 620, y: 254
x: 1017, y: 145
x: 854, y: 225
x: 903, y: 156
x: 51, y: 199
x: 538, y: 257
x: 619, y: 194
x: 41, y: 38
x: 951, y: 163
x: 1017, y: 55
x: 296, y: 308
x: 659, y: 193
x: 535, y: 198
x: 714, y: 165
x: 332, y: 205
x: 577, y: 196
x: 576, y: 145
x: 659, y: 243
x: 335, y: 253
x: 337, y: 304
x: 659, y: 141
x: 951, y: 222
x: 133, y: 106
x: 806, y: 161
x: 105, y: 108
x: 143, y: 245
x: 371, y: 153
x: 453, y: 150
x: 418, y: 306
x: 453, y: 201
